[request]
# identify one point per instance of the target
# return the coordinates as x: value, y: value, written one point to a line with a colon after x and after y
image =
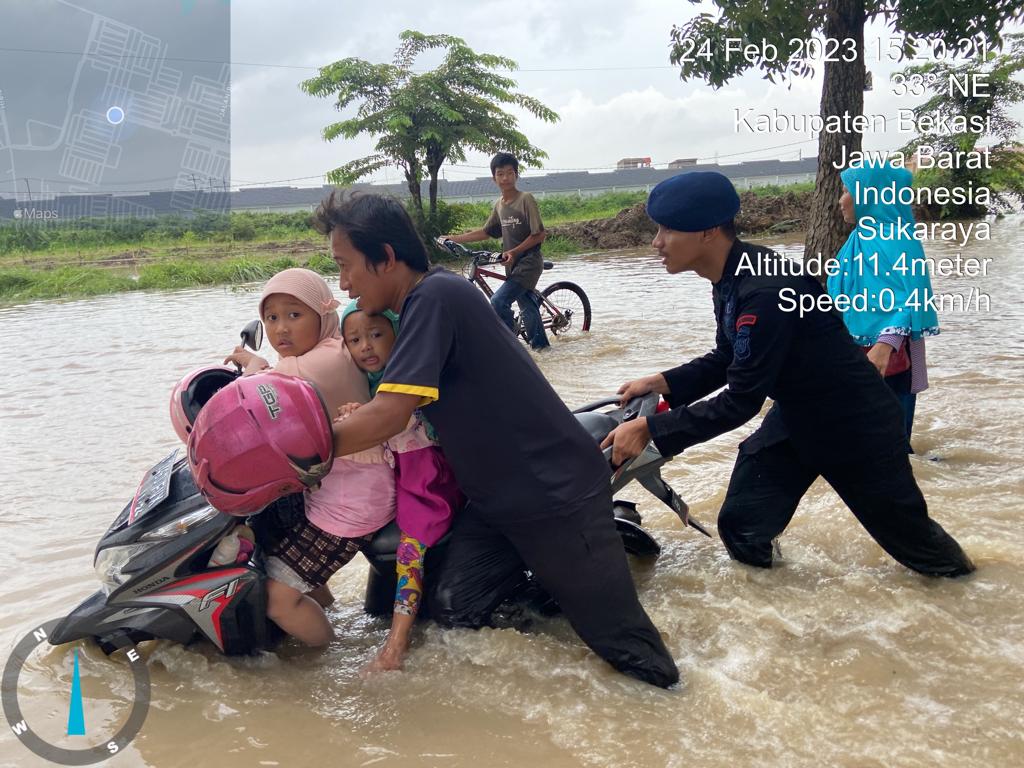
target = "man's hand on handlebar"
x: 627, y: 440
x: 640, y: 387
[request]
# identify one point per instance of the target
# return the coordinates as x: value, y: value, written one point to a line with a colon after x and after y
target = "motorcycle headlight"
x: 177, y: 527
x: 110, y: 562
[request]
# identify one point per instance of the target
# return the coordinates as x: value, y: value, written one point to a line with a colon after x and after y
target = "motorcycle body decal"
x: 200, y: 593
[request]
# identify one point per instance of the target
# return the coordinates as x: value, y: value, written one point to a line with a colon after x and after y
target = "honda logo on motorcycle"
x: 269, y: 396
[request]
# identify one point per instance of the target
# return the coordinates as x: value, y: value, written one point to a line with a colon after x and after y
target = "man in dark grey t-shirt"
x: 538, y: 487
x: 515, y: 218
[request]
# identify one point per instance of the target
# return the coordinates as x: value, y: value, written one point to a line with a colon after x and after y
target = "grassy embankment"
x: 41, y: 260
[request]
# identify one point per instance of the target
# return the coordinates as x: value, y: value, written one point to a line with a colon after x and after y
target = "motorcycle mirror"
x: 252, y: 335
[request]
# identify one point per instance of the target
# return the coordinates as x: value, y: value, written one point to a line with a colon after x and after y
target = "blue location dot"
x: 115, y: 115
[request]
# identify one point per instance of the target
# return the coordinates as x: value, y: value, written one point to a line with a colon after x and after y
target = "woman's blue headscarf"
x: 883, y: 259
x: 374, y: 377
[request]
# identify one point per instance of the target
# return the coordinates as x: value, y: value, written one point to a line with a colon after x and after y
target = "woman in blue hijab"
x: 882, y: 265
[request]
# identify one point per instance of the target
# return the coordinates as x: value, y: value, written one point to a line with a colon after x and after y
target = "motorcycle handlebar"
x: 614, y: 400
x: 637, y: 406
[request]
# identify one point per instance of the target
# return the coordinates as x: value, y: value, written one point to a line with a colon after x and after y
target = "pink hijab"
x: 328, y: 365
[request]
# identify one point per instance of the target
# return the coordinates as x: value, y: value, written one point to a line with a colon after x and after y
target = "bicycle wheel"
x: 565, y: 309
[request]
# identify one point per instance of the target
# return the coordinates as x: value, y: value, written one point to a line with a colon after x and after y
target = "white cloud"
x: 565, y: 50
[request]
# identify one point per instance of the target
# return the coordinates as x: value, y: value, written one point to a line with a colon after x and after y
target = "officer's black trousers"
x: 767, y: 485
x: 577, y: 556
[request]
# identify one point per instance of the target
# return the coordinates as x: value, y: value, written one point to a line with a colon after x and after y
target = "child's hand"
x: 239, y: 357
x: 391, y: 656
x: 246, y: 360
x: 346, y: 410
x: 388, y: 659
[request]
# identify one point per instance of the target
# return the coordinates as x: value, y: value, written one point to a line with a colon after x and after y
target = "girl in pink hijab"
x: 357, y: 497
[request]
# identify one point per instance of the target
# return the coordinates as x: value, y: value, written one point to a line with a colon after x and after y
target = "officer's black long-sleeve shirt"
x: 828, y: 396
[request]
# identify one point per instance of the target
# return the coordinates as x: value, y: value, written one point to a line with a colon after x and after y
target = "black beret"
x: 693, y: 201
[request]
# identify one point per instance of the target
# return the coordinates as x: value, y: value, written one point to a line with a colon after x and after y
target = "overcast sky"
x: 581, y: 58
x: 602, y: 65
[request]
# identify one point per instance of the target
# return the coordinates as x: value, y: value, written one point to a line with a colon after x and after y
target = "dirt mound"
x: 773, y: 213
x: 627, y: 229
x: 631, y: 227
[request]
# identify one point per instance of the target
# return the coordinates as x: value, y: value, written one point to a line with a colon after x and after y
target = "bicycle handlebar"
x: 479, y: 257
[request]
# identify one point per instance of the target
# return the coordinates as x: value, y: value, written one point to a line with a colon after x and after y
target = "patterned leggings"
x: 409, y: 565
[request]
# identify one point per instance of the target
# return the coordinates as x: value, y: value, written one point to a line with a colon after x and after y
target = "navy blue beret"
x: 693, y: 201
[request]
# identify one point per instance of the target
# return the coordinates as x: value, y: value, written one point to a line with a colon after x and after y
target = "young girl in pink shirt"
x: 427, y: 495
x: 357, y: 497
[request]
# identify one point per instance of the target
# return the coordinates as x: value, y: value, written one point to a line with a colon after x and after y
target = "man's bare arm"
x: 530, y: 242
x: 371, y: 424
x: 470, y: 237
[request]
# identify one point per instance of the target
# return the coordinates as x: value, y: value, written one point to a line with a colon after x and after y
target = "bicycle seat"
x: 598, y: 424
x: 548, y: 265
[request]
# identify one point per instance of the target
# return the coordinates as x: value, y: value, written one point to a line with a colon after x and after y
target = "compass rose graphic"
x: 110, y: 745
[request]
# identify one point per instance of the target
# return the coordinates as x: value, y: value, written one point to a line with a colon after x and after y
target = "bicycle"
x: 564, y: 306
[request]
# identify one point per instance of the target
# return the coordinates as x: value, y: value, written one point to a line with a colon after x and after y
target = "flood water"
x: 840, y: 656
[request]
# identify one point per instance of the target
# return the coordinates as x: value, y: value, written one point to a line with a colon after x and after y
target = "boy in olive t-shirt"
x: 516, y: 218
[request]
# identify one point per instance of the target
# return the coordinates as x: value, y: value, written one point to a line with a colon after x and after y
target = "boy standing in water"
x: 516, y: 218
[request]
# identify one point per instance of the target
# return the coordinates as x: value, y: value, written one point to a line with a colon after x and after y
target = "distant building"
x: 745, y: 175
x: 633, y: 162
x: 684, y: 162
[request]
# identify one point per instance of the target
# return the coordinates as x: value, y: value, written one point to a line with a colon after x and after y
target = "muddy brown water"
x: 837, y: 657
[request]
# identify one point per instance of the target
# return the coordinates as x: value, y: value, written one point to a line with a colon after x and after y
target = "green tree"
x: 424, y: 119
x: 912, y: 24
x: 992, y: 104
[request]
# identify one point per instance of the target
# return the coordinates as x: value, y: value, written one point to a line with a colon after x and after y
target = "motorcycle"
x: 159, y: 578
x: 645, y: 469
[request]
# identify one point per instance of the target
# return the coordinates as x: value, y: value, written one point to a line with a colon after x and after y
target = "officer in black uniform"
x: 832, y: 416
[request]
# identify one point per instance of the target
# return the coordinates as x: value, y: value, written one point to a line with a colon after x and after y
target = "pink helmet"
x: 260, y: 438
x: 193, y: 392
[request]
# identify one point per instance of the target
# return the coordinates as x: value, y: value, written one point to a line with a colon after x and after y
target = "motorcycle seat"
x: 597, y: 424
x: 385, y: 542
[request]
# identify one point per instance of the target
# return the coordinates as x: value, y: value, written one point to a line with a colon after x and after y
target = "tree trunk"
x: 433, y: 190
x: 413, y: 177
x: 843, y: 92
x: 435, y: 159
